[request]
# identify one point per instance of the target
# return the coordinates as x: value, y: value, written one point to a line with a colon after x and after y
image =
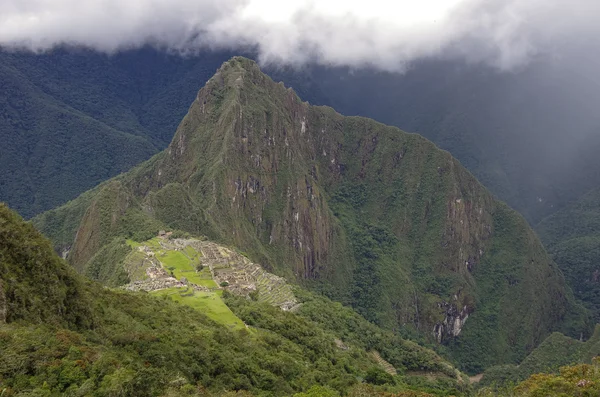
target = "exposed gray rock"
x: 453, y: 323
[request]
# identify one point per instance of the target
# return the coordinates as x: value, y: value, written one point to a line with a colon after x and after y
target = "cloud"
x: 382, y: 33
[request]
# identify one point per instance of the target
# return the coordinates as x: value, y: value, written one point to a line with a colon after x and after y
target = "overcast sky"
x: 382, y: 33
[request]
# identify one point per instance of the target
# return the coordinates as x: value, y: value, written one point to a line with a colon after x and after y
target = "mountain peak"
x: 239, y: 63
x: 233, y: 73
x: 242, y: 74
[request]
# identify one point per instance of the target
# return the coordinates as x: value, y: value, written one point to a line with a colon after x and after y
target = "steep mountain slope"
x: 371, y: 215
x: 35, y: 285
x: 519, y: 133
x: 554, y: 352
x: 72, y: 118
x: 61, y: 335
x: 572, y: 236
x: 48, y: 147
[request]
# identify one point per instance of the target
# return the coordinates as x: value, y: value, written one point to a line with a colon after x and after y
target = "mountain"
x: 370, y: 215
x: 77, y: 117
x: 63, y: 335
x: 48, y: 147
x: 572, y: 236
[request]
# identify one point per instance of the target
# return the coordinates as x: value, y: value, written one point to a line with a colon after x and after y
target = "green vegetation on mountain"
x: 549, y: 357
x: 52, y: 151
x: 72, y: 118
x: 373, y: 216
x: 508, y: 129
x: 208, y: 303
x: 62, y: 335
x: 35, y: 285
x: 572, y: 236
x: 581, y: 380
x: 530, y: 136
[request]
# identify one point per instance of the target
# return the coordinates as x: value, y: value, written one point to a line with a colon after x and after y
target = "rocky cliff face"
x: 374, y: 216
x: 454, y: 321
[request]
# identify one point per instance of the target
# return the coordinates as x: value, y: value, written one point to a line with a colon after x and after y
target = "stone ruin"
x: 226, y: 266
x: 243, y: 276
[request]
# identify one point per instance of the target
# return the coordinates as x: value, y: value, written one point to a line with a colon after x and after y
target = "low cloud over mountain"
x: 387, y: 35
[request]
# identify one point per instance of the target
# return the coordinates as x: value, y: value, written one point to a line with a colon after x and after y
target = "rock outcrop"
x: 454, y: 321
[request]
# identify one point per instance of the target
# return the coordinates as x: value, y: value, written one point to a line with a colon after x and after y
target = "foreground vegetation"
x: 581, y: 380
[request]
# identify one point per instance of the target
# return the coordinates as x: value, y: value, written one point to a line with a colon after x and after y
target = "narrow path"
x: 476, y: 378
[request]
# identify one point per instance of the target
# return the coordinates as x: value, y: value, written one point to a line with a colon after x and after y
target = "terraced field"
x: 243, y: 276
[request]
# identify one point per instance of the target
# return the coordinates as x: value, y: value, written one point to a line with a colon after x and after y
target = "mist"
x: 505, y: 34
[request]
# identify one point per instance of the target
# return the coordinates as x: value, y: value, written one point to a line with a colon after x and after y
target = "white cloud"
x: 382, y: 33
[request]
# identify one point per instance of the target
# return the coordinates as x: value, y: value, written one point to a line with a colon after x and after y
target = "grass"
x: 175, y: 261
x: 204, y: 278
x: 191, y: 253
x: 154, y: 244
x: 183, y: 265
x: 133, y: 244
x: 209, y: 303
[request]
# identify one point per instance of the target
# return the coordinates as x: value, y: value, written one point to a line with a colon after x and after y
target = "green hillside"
x: 47, y: 144
x: 62, y: 335
x: 73, y: 118
x: 555, y: 352
x: 373, y: 216
x: 581, y: 380
x: 530, y: 136
x: 572, y: 236
x: 508, y: 129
